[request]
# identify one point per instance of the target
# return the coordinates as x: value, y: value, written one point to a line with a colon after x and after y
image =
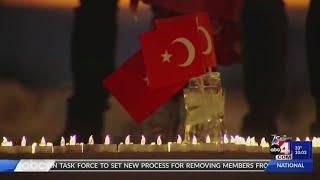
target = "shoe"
x: 315, y: 129
x: 258, y: 127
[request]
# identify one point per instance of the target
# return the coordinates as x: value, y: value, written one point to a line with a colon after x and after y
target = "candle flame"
x: 33, y: 147
x: 143, y: 140
x: 159, y: 141
x: 23, y: 141
x: 225, y: 139
x: 248, y: 141
x: 316, y: 142
x: 179, y: 139
x: 43, y: 142
x: 194, y: 140
x: 127, y: 140
x: 62, y: 141
x: 264, y: 143
x: 239, y: 140
x: 107, y: 140
x: 297, y: 139
x: 90, y: 140
x: 73, y: 140
x: 307, y: 138
x: 251, y: 141
x: 208, y: 140
x: 5, y: 142
x: 232, y: 140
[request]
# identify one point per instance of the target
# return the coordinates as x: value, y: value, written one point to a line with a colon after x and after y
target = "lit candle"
x: 178, y: 146
x: 73, y: 146
x: 158, y: 147
x: 194, y: 146
x: 297, y: 139
x: 142, y: 147
x: 7, y: 146
x: 226, y: 146
x: 240, y: 143
x: 99, y: 148
x: 44, y: 147
x: 202, y: 147
x: 23, y: 148
x: 61, y: 148
x: 316, y: 145
x: 265, y: 147
x: 236, y: 144
x: 208, y: 146
x: 127, y: 146
x: 252, y: 146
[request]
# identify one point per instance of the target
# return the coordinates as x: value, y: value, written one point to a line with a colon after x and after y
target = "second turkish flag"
x: 206, y: 38
x: 172, y: 55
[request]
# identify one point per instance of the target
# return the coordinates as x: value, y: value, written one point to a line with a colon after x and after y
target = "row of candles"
x: 231, y: 144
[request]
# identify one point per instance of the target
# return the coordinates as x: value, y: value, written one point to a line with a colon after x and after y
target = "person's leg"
x: 264, y: 36
x: 313, y: 48
x: 92, y: 59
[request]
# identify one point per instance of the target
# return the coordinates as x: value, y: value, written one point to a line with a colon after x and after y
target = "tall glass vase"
x: 204, y: 103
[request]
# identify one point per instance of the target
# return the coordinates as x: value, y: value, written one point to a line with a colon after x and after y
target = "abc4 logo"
x: 283, y: 147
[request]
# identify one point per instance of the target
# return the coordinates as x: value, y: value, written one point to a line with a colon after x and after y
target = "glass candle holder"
x: 204, y: 103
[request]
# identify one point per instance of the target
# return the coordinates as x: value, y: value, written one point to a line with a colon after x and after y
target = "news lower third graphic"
x: 132, y: 165
x: 289, y: 156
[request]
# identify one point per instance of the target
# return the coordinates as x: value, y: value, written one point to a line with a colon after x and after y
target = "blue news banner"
x: 297, y: 159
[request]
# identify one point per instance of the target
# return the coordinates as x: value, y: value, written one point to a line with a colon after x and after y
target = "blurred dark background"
x: 35, y: 78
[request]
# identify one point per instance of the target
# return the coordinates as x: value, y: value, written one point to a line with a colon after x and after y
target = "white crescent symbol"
x: 209, y: 42
x: 190, y: 48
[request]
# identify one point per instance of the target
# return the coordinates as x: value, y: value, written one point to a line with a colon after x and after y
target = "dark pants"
x: 313, y: 50
x: 264, y: 47
x: 93, y: 47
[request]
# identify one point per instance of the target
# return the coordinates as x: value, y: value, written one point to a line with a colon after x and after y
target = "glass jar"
x: 204, y: 104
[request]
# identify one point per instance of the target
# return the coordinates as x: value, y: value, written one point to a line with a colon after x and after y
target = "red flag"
x: 206, y: 37
x: 171, y: 55
x: 224, y: 16
x: 129, y: 85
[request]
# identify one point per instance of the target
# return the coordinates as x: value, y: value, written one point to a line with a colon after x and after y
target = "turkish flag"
x: 171, y: 55
x: 206, y: 37
x: 129, y: 85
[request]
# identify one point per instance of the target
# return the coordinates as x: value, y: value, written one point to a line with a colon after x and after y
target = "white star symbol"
x: 146, y: 80
x: 166, y: 56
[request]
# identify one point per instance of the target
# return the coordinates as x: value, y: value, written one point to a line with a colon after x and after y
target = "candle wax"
x: 157, y: 148
x: 7, y: 149
x: 78, y: 148
x: 265, y: 149
x: 130, y: 148
x: 23, y: 149
x: 316, y: 149
x: 253, y: 149
x: 205, y: 147
x: 231, y: 147
x: 99, y: 148
x: 44, y: 149
x: 178, y: 147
